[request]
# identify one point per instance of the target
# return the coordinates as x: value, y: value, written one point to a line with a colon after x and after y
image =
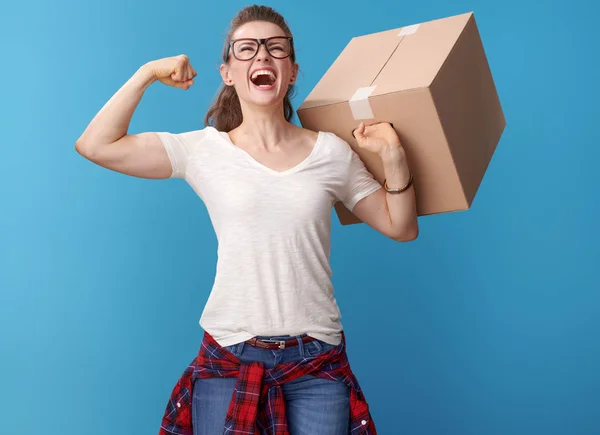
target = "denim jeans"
x: 314, y: 406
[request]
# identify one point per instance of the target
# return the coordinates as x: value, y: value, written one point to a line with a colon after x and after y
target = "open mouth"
x: 264, y: 79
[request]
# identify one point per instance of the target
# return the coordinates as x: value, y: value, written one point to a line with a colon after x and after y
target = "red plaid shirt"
x: 257, y: 405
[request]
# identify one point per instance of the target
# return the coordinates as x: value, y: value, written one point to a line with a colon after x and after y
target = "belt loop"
x: 239, y: 348
x: 300, y: 346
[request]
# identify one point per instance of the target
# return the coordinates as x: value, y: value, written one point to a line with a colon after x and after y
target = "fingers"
x: 185, y: 85
x: 183, y: 74
x: 180, y: 71
x: 361, y: 130
x: 191, y: 72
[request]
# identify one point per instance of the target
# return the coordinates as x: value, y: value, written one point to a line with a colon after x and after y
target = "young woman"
x: 273, y: 356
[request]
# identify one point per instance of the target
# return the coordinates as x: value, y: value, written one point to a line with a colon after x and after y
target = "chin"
x: 266, y: 99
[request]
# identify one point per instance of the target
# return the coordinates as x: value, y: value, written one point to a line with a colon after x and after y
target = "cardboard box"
x: 432, y: 81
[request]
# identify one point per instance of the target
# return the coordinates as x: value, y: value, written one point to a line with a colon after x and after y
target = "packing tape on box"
x: 359, y: 103
x: 409, y: 30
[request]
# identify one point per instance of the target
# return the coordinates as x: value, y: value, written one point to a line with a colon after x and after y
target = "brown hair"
x: 225, y: 114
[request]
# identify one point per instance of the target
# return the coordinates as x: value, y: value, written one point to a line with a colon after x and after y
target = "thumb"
x: 359, y: 133
x: 183, y: 84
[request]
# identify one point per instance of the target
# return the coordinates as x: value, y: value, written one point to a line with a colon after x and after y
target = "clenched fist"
x: 173, y: 71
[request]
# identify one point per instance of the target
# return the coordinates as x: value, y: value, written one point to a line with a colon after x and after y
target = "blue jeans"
x: 314, y: 406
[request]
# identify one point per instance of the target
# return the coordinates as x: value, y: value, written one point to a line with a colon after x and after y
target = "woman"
x: 273, y: 356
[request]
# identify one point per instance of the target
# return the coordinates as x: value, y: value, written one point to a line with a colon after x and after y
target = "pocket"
x: 317, y: 347
x: 232, y: 348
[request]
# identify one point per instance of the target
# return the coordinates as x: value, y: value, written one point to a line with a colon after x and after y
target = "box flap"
x: 425, y: 48
x: 379, y: 60
x: 357, y: 66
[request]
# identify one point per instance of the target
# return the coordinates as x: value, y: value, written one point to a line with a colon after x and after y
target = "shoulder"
x: 330, y: 138
x: 199, y: 135
x: 336, y: 145
x: 306, y: 135
x: 191, y: 138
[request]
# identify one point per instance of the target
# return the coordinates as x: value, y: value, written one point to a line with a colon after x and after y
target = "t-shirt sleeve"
x: 359, y: 181
x: 179, y: 148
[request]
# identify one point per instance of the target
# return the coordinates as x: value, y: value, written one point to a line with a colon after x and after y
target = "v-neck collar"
x: 255, y: 162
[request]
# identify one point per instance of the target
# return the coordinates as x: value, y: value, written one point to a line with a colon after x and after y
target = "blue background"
x: 487, y: 324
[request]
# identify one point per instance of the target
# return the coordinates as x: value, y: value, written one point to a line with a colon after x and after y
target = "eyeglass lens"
x: 277, y: 47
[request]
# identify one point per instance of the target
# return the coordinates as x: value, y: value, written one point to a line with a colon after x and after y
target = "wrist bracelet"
x: 410, y: 180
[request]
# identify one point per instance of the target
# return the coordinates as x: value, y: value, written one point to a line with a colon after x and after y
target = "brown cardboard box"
x: 433, y: 83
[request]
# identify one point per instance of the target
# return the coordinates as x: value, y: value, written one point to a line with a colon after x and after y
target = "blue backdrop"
x: 487, y: 324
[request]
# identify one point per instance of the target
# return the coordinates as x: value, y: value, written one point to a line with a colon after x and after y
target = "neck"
x: 264, y: 127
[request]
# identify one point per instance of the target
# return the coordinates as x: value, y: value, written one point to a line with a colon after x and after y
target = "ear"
x: 224, y: 70
x: 294, y: 73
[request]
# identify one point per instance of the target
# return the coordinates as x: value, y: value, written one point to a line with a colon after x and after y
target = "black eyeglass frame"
x: 262, y: 41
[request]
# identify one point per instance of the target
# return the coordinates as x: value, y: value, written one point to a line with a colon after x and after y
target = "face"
x: 252, y: 87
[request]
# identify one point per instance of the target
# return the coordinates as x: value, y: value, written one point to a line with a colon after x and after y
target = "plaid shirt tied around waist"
x: 257, y: 406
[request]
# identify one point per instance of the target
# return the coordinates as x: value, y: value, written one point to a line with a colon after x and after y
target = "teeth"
x: 262, y: 72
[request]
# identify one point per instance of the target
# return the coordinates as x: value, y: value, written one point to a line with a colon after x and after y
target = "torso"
x: 271, y: 212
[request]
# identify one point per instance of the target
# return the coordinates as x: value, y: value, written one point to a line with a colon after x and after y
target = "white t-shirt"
x: 273, y: 230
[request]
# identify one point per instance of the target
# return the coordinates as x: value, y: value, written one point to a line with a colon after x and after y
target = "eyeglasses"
x: 278, y: 47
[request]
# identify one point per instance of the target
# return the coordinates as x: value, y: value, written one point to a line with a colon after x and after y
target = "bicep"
x: 140, y: 155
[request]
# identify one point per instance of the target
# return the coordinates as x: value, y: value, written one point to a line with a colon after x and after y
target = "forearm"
x: 112, y: 122
x: 402, y: 206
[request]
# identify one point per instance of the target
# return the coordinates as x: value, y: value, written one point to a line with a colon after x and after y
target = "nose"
x: 262, y: 52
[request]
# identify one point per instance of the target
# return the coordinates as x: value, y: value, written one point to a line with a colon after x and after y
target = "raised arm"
x: 106, y: 142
